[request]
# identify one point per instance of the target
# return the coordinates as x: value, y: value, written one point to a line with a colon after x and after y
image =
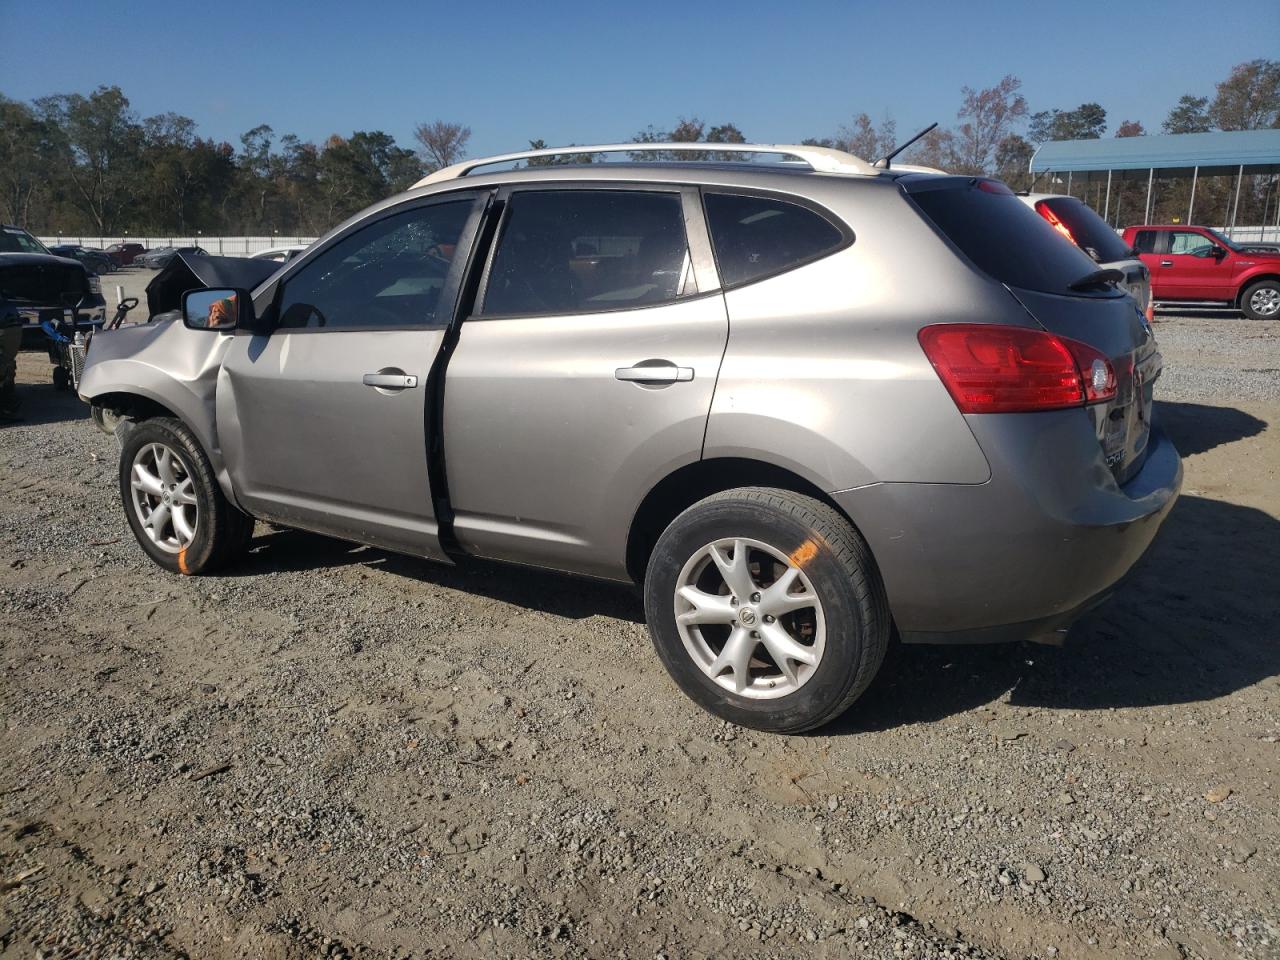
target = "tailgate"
x: 1114, y: 325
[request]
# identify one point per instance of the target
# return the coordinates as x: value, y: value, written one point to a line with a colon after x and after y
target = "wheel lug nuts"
x: 733, y: 601
x: 755, y: 634
x: 768, y: 618
x: 755, y: 598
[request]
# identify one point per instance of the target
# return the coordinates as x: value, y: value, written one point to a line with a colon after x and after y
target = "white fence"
x: 218, y: 246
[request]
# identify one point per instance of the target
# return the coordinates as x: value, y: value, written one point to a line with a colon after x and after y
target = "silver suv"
x: 1077, y: 221
x: 806, y: 404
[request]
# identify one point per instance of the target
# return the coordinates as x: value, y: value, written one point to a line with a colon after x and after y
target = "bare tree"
x: 989, y: 116
x: 443, y: 143
x: 863, y: 139
x: 937, y: 148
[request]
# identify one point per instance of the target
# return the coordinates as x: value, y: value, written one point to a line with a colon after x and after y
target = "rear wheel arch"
x: 681, y: 489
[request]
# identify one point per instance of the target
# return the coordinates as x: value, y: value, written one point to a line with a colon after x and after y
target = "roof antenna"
x: 883, y: 162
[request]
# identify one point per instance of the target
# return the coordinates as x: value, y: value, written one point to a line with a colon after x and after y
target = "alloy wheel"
x: 1265, y: 302
x: 750, y: 618
x: 164, y: 497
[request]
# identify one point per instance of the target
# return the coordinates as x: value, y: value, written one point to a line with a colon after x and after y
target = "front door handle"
x: 391, y: 381
x: 654, y: 373
x: 1166, y: 263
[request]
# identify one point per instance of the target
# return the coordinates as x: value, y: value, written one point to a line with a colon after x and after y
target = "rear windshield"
x: 1088, y: 230
x: 1002, y: 235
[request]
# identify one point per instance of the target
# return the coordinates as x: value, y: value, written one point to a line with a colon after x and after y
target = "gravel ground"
x: 334, y: 751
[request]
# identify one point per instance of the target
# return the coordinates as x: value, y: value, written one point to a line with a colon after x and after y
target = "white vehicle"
x: 281, y: 254
x: 1077, y: 221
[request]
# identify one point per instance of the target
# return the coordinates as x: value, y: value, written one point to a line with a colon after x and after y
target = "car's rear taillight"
x: 1042, y: 208
x: 993, y: 368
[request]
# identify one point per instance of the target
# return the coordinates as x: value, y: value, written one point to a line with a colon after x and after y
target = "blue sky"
x: 593, y: 72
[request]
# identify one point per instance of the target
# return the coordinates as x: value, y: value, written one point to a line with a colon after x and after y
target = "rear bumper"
x: 92, y: 316
x: 1048, y: 537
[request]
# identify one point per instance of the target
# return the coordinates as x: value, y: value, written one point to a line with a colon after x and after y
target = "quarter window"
x: 585, y: 251
x: 758, y: 236
x: 389, y: 274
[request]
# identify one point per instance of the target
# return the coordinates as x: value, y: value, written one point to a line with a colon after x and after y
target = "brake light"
x: 993, y: 368
x: 1042, y: 208
x: 994, y: 186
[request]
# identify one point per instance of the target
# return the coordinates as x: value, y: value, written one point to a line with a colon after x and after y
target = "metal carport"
x: 1191, y: 155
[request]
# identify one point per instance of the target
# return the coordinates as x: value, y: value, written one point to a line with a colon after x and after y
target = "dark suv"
x: 40, y: 285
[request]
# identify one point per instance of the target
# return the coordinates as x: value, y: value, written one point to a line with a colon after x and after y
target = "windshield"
x: 1229, y: 244
x: 13, y: 240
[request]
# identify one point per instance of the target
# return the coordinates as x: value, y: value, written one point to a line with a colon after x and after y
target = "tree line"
x: 76, y: 163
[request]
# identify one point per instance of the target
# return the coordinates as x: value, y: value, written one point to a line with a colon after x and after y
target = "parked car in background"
x: 41, y: 285
x: 280, y: 254
x: 805, y: 405
x: 123, y: 254
x: 98, y: 261
x: 1079, y: 223
x: 1199, y: 265
x: 160, y: 257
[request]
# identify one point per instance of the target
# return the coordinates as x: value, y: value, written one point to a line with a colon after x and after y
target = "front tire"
x: 1261, y: 301
x: 766, y: 608
x: 174, y: 505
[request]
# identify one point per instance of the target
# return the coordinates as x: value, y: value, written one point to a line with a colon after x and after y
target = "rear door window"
x: 756, y: 237
x: 1000, y: 234
x: 1144, y: 241
x: 587, y: 251
x: 1088, y: 230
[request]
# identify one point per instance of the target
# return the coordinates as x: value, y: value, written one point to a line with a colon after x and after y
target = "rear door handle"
x: 1166, y: 263
x: 655, y: 373
x: 391, y: 381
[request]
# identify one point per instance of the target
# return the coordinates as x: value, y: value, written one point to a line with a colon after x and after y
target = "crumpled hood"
x: 191, y: 271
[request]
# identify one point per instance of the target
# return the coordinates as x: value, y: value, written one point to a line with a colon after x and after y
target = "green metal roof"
x: 1214, y: 153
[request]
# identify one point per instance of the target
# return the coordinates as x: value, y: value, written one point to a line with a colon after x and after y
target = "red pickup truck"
x: 1201, y: 265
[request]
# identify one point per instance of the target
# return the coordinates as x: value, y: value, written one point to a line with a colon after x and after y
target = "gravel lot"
x: 333, y: 751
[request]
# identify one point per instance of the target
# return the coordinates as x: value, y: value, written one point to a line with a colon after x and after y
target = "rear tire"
x: 173, y: 503
x: 1261, y: 300
x: 781, y: 660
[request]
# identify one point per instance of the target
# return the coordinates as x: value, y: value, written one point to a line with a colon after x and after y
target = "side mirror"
x: 217, y: 310
x: 1218, y: 252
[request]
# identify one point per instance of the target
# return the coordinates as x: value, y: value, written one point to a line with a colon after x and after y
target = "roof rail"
x: 819, y: 159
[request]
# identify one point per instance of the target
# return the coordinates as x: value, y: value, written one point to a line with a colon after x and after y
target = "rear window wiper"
x: 1097, y: 278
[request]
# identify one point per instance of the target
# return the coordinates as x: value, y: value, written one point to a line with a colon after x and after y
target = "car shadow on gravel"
x: 281, y: 551
x: 1196, y: 428
x: 1199, y: 618
x: 43, y: 403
